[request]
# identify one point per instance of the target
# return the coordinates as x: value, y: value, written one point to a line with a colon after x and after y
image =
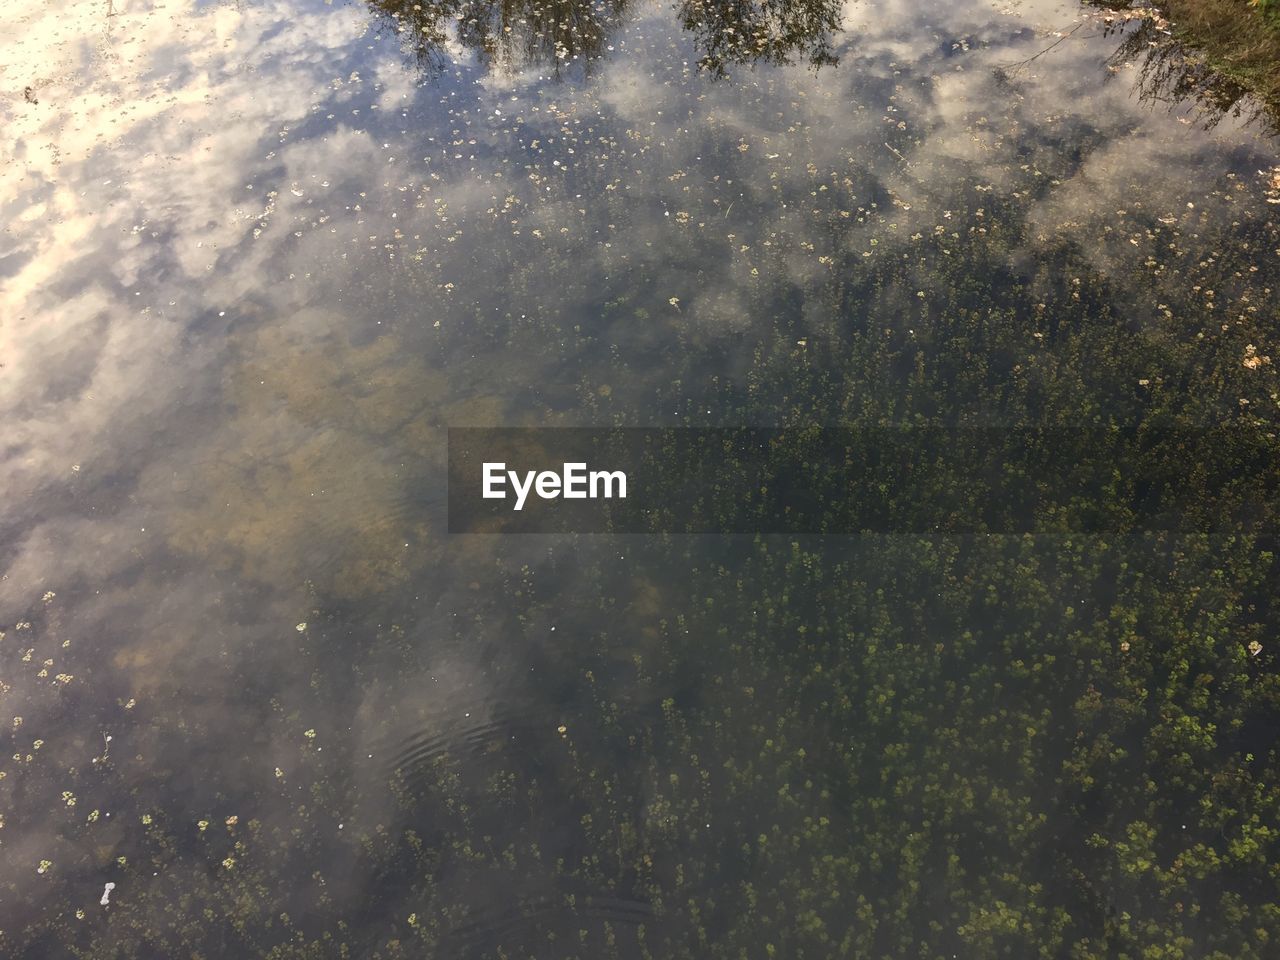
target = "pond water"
x: 258, y: 256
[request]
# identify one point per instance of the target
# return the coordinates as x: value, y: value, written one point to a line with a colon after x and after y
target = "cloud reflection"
x: 258, y: 265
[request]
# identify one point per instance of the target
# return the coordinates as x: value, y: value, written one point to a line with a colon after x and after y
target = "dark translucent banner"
x: 813, y: 480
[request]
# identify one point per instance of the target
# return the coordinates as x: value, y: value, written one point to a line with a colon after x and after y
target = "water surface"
x: 259, y: 256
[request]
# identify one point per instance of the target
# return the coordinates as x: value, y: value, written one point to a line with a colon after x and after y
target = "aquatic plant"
x: 298, y: 720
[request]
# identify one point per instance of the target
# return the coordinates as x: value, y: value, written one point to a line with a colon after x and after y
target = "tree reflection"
x: 1170, y: 73
x: 510, y: 35
x: 774, y: 31
x: 506, y: 35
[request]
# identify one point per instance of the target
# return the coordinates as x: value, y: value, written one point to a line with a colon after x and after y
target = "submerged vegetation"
x: 887, y: 746
x: 272, y: 710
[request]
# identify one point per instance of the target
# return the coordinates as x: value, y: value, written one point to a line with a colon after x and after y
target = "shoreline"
x: 1237, y: 39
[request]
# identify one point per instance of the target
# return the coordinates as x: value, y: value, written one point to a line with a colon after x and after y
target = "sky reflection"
x: 259, y: 256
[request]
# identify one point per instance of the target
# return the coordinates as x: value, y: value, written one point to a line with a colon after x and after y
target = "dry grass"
x: 1238, y: 38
